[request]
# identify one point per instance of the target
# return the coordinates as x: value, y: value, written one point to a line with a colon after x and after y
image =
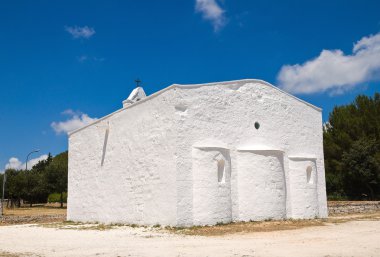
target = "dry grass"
x: 247, y: 227
x: 78, y: 226
x: 351, y: 217
x: 36, y: 214
x: 267, y: 226
x: 45, y: 215
x: 8, y: 254
x: 33, y: 211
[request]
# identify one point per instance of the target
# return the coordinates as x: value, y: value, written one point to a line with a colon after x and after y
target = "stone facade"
x: 200, y: 155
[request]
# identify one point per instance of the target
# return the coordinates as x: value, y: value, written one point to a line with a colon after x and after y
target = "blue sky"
x: 65, y: 63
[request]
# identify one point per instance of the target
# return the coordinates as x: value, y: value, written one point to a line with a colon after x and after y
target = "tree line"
x: 351, y: 142
x: 46, y: 177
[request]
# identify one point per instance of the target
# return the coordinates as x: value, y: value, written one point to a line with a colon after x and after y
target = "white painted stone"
x: 261, y: 185
x: 191, y: 155
x: 211, y: 186
x: 303, y: 186
x: 136, y: 95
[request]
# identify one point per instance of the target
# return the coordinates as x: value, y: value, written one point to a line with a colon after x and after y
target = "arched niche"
x: 261, y: 183
x: 303, y: 180
x: 211, y: 167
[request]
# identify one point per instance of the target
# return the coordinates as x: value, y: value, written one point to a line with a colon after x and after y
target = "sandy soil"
x: 352, y: 238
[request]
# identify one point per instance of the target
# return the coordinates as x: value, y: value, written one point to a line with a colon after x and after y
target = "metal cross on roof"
x: 138, y: 82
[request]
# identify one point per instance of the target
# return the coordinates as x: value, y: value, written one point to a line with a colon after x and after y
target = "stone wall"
x: 347, y: 207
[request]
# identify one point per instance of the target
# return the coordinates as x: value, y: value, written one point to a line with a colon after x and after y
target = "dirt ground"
x: 36, y: 214
x: 354, y: 235
x: 38, y: 210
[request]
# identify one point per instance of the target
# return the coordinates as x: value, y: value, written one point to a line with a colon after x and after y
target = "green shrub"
x: 336, y: 197
x: 56, y: 198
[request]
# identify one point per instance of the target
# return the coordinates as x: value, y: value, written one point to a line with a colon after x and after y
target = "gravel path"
x: 354, y: 238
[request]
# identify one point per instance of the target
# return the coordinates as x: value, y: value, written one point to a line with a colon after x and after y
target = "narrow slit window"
x: 105, y: 146
x: 309, y: 171
x: 221, y: 171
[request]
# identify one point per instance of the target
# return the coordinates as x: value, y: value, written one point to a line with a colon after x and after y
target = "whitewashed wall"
x: 137, y: 182
x: 303, y: 187
x: 225, y: 114
x: 261, y: 185
x: 191, y: 155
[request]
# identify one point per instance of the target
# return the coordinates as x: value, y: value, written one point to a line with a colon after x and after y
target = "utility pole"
x: 27, y: 157
x: 28, y: 175
x: 2, y: 197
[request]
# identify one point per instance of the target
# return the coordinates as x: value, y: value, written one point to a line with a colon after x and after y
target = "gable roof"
x: 187, y: 86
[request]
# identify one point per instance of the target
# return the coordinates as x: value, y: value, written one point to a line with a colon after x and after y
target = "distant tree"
x: 362, y: 165
x: 1, y: 182
x: 46, y: 177
x: 56, y: 175
x: 351, y: 146
x: 41, y: 165
x: 15, y: 186
x: 38, y: 188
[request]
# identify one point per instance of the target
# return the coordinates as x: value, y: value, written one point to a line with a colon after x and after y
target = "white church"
x: 200, y: 155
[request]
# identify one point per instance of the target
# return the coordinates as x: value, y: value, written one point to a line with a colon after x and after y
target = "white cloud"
x: 82, y: 58
x: 76, y: 121
x: 333, y: 71
x: 15, y: 163
x: 69, y: 112
x: 98, y: 59
x: 80, y: 32
x: 212, y: 12
x: 85, y: 58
